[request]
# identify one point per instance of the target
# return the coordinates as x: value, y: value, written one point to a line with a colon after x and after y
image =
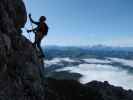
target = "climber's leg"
x: 39, y: 46
x: 36, y: 40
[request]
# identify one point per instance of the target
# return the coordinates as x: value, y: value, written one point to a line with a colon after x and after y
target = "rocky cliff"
x: 21, y: 69
x: 20, y: 74
x: 73, y: 90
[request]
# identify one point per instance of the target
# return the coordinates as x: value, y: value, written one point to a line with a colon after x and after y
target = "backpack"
x: 43, y: 28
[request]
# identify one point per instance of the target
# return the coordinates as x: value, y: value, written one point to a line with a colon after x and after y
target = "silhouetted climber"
x: 40, y: 31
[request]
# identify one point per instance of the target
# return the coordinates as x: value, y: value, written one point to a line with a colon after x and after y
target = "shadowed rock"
x: 73, y: 90
x: 20, y: 74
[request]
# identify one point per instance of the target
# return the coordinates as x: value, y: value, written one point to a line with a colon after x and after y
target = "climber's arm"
x: 32, y: 30
x: 33, y: 20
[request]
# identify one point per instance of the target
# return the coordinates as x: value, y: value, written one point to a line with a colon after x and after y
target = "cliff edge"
x: 20, y: 74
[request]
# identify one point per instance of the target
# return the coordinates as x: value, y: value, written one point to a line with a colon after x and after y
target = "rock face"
x: 20, y: 74
x: 72, y: 90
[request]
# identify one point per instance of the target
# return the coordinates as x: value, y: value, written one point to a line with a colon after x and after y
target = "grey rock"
x: 20, y: 75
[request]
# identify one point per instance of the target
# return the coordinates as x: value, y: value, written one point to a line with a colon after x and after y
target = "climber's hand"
x: 30, y: 15
x: 28, y: 31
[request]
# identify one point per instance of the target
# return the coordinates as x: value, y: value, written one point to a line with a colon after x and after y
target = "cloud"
x: 58, y: 61
x: 102, y: 72
x: 93, y: 60
x: 123, y: 61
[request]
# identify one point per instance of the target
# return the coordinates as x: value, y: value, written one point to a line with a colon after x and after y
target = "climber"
x: 40, y: 31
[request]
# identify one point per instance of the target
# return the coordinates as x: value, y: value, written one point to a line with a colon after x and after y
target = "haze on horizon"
x: 85, y: 22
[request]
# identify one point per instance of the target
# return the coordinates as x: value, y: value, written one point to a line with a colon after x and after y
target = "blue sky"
x: 85, y: 22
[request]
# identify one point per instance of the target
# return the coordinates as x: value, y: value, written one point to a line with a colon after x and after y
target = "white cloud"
x: 58, y: 61
x: 102, y: 73
x: 123, y: 61
x: 93, y: 60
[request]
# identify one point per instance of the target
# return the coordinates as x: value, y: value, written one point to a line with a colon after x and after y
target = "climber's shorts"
x: 40, y: 35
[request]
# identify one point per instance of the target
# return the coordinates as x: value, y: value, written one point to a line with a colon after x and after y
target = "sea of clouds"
x: 97, y: 69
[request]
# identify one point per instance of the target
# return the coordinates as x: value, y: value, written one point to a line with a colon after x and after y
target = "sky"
x: 84, y: 22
